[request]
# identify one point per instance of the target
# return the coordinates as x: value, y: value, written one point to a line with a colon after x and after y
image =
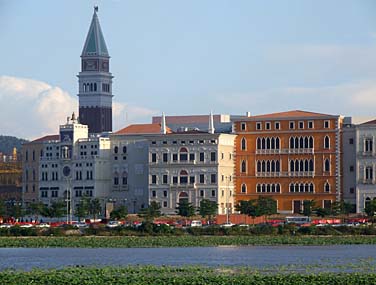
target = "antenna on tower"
x: 95, y: 8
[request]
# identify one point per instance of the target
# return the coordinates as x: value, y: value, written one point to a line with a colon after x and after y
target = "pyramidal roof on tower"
x: 95, y: 44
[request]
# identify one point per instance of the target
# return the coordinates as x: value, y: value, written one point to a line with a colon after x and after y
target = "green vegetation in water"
x: 179, y: 241
x: 177, y: 275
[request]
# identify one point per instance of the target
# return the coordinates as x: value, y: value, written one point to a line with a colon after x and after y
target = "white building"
x: 365, y: 164
x: 74, y: 166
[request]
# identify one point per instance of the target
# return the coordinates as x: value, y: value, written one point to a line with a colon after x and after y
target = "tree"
x: 95, y: 208
x: 37, y: 209
x: 322, y: 212
x: 250, y: 208
x: 307, y: 207
x: 185, y: 209
x: 16, y: 211
x: 119, y: 213
x: 3, y: 210
x: 57, y: 209
x: 370, y: 208
x: 153, y: 211
x: 266, y: 206
x: 82, y: 209
x: 208, y: 208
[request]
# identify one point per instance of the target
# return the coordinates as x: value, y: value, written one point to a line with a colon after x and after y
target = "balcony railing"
x: 286, y: 174
x: 286, y: 151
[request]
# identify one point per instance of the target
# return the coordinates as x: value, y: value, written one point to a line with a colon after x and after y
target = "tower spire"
x: 211, y: 124
x: 163, y: 124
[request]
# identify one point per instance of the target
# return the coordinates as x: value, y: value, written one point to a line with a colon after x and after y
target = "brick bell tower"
x: 95, y: 81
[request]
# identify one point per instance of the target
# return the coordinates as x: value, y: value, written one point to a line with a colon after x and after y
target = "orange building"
x: 290, y: 156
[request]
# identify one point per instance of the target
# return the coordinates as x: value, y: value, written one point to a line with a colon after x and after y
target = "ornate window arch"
x: 244, y: 188
x: 326, y: 187
x: 243, y: 166
x: 327, y: 165
x: 326, y: 142
x: 244, y: 144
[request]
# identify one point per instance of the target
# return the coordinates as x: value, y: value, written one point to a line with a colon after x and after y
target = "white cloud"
x: 31, y: 108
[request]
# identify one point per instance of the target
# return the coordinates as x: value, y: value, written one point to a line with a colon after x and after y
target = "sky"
x: 188, y: 57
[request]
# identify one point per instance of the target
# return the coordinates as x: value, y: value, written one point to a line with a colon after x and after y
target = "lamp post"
x: 227, y: 211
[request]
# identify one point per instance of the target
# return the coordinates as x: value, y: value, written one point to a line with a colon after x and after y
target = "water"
x: 327, y: 258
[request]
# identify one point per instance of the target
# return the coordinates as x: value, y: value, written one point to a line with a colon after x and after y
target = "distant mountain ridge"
x: 7, y: 143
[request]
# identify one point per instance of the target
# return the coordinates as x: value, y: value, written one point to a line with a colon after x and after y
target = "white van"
x: 196, y: 223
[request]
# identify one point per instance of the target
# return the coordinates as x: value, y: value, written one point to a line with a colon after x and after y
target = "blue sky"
x: 188, y: 57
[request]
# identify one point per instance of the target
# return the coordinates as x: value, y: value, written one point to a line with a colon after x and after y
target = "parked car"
x: 81, y: 225
x: 196, y: 223
x: 113, y: 224
x: 42, y: 225
x: 6, y: 226
x: 227, y: 225
x: 26, y: 226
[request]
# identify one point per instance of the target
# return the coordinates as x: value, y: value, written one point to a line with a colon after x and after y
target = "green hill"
x: 7, y: 143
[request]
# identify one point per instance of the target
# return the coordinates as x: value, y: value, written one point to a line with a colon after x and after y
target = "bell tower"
x: 95, y: 81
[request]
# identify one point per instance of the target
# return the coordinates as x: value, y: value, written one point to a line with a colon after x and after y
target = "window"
x: 292, y: 125
x: 154, y: 179
x: 164, y: 204
x: 191, y: 157
x: 351, y: 168
x: 153, y: 157
x: 125, y: 180
x: 124, y: 149
x: 116, y: 180
x: 267, y: 126
x: 368, y: 145
x: 327, y: 165
x: 258, y: 126
x: 202, y: 156
x: 351, y: 141
x: 116, y: 149
x: 326, y: 187
x: 277, y: 125
x: 243, y: 126
x: 213, y: 178
x: 301, y: 125
x: 244, y: 144
x: 175, y: 157
x: 326, y: 142
x: 175, y: 180
x: 352, y: 190
x: 202, y: 178
x: 165, y: 179
x: 326, y: 124
x: 154, y: 193
x: 213, y: 156
x: 164, y: 193
x: 165, y: 157
x: 310, y: 124
x: 244, y: 188
x: 213, y: 193
x: 201, y: 193
x: 183, y: 156
x: 369, y: 173
x: 244, y: 167
x: 191, y: 180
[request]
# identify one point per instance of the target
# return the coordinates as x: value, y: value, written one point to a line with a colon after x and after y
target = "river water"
x: 327, y: 258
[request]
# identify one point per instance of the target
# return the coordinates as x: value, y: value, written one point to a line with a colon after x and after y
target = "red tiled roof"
x: 195, y: 119
x: 290, y: 114
x: 47, y: 138
x: 372, y: 122
x: 142, y: 129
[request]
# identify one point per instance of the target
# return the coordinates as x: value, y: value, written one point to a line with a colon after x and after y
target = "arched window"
x: 311, y: 167
x: 258, y: 166
x: 292, y: 168
x: 296, y: 187
x: 306, y: 187
x: 277, y: 168
x: 291, y: 142
x: 116, y: 178
x: 125, y: 178
x: 244, y: 188
x: 306, y: 142
x: 327, y: 165
x: 278, y: 188
x: 292, y: 189
x: 244, y: 166
x: 311, y: 187
x: 306, y: 165
x: 277, y: 143
x: 273, y: 166
x: 296, y: 165
x: 263, y: 166
x: 301, y: 165
x: 244, y: 144
x: 273, y: 188
x: 272, y: 143
x: 268, y: 166
x: 258, y: 143
x: 302, y: 187
x: 124, y: 149
x: 183, y: 176
x: 116, y: 149
x: 310, y: 142
x: 296, y: 143
x: 301, y: 144
x: 263, y: 188
x: 263, y: 143
x: 258, y: 188
x: 326, y: 187
x: 183, y: 154
x: 268, y: 188
x: 326, y: 142
x: 267, y: 143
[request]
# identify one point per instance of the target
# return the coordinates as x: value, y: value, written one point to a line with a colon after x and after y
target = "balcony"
x: 286, y: 174
x: 268, y: 151
x: 299, y: 150
x: 367, y: 181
